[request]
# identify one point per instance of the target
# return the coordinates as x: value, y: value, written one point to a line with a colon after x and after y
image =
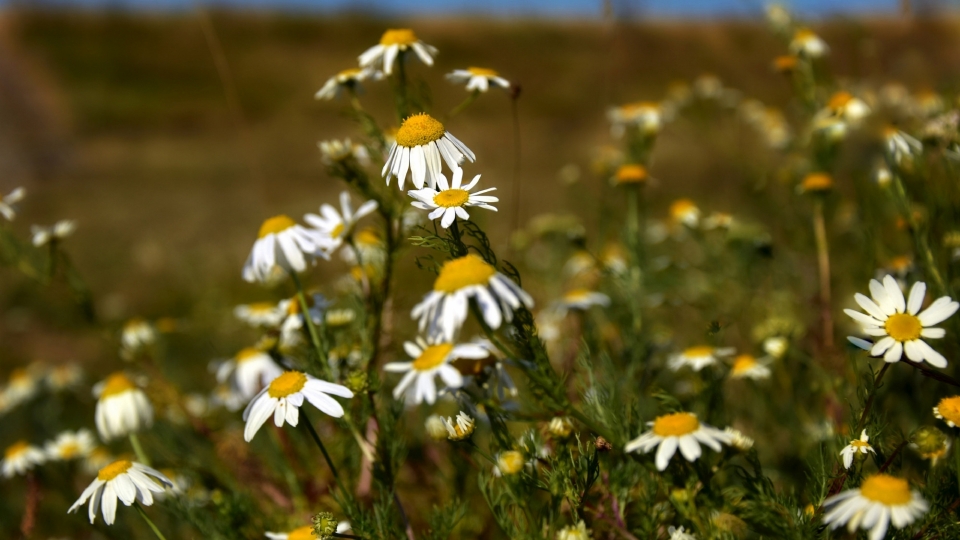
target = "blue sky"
x: 666, y: 8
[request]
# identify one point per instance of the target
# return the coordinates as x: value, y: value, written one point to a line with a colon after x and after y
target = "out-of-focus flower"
x: 574, y: 532
x: 746, y: 366
x: 856, y: 447
x: 8, y: 203
x: 338, y: 151
x: 248, y: 372
x: 581, y: 300
x: 348, y: 79
x: 677, y: 430
x: 902, y: 148
x: 630, y: 174
x: 929, y: 103
x: 847, y: 107
x: 64, y: 376
x: 449, y: 200
x: 786, y: 63
x: 645, y: 115
x: 718, y: 220
x: 284, y: 244
x: 54, y: 233
x: 880, y: 499
x: 461, y: 428
x: 680, y: 533
x: 930, y: 443
x: 686, y: 212
x: 560, y: 427
x: 19, y: 458
x: 816, y: 182
x: 948, y: 410
x: 431, y: 359
x: 435, y: 427
x: 393, y: 42
x: 97, y: 459
x: 509, y: 463
x: 699, y: 357
x: 478, y: 79
x: 126, y: 481
x: 122, y: 408
x: 333, y: 226
x: 69, y: 445
x: 293, y: 324
x: 776, y: 346
x: 738, y: 440
x: 22, y: 385
x: 284, y: 396
x: 808, y: 44
x: 266, y: 314
x: 422, y: 144
x: 779, y: 18
x: 136, y: 336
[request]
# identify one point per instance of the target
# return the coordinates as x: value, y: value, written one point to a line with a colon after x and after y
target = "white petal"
x: 895, y: 294
x: 881, y: 297
x: 667, y: 448
x: 894, y: 353
x: 932, y: 357
x: 939, y: 311
x: 917, y: 293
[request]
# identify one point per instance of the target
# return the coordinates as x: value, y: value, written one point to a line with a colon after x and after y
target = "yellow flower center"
x: 260, y: 307
x: 886, y: 489
x: 510, y: 462
x: 901, y: 263
x: 675, y: 425
x: 349, y: 73
x: 631, y: 174
x: 275, y: 225
x: 451, y: 198
x: 903, y: 326
x: 701, y: 351
x: 247, y: 354
x: 576, y: 295
x: 418, y: 130
x: 785, y: 63
x: 368, y: 237
x: 804, y: 34
x: 337, y: 231
x: 432, y: 357
x: 640, y: 106
x: 949, y: 409
x: 303, y: 533
x: 859, y: 444
x: 817, y: 182
x: 839, y: 100
x: 116, y: 384
x: 743, y: 363
x: 16, y: 449
x: 682, y: 208
x: 290, y: 382
x: 463, y: 272
x: 398, y: 36
x: 482, y: 72
x: 19, y: 376
x: 114, y: 470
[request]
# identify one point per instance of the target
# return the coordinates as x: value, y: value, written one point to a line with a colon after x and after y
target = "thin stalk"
x: 138, y: 450
x: 401, y: 89
x: 517, y: 193
x: 311, y: 329
x: 323, y: 449
x: 403, y: 516
x: 923, y: 246
x: 150, y: 523
x: 464, y: 104
x: 889, y: 460
x: 457, y: 239
x: 823, y: 266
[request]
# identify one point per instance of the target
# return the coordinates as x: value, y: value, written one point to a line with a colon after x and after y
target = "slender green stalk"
x: 823, y: 266
x: 150, y: 523
x: 311, y: 328
x: 316, y: 438
x: 464, y: 104
x: 922, y: 244
x: 401, y: 88
x: 138, y: 450
x: 457, y: 239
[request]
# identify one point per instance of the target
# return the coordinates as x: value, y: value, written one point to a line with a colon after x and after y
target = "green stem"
x: 923, y: 246
x: 311, y: 328
x: 401, y: 89
x: 823, y: 266
x: 150, y: 523
x: 463, y: 105
x: 316, y: 438
x: 457, y: 239
x: 138, y: 450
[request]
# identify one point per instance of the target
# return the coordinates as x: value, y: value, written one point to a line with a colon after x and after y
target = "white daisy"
x: 123, y: 480
x: 337, y: 151
x: 644, y: 115
x: 681, y: 429
x: 64, y: 376
x: 332, y: 226
x: 574, y: 532
x: 444, y: 309
x: 56, y: 232
x: 679, y: 533
x: 248, y: 372
x: 899, y: 325
x: 305, y: 532
x: 477, y: 79
x: 846, y: 106
x: 699, y: 357
x: 686, y: 212
x: 509, y: 463
x: 281, y: 243
x: 392, y: 43
x: 122, y: 408
x: 948, y: 410
x: 283, y: 397
x: 266, y: 314
x: 449, y: 200
x: 431, y: 359
x: 900, y: 146
x: 348, y: 79
x: 22, y: 385
x: 746, y: 366
x: 421, y: 144
x: 856, y: 446
x: 8, y: 206
x: 228, y: 398
x: 70, y: 445
x: 880, y: 499
x: 808, y: 44
x: 582, y: 300
x: 292, y: 325
x: 136, y: 335
x: 19, y: 458
x: 460, y: 428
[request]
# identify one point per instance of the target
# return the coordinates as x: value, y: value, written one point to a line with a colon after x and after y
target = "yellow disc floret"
x: 451, y: 198
x: 682, y: 208
x: 398, y: 36
x: 349, y: 73
x: 247, y: 354
x: 817, y: 182
x: 16, y: 449
x: 903, y: 326
x: 432, y: 357
x: 275, y: 225
x: 337, y: 231
x: 303, y: 533
x: 631, y: 174
x: 482, y: 72
x: 859, y: 444
x: 675, y: 425
x: 949, y: 409
x: 418, y: 130
x: 463, y: 272
x: 743, y: 363
x: 114, y: 470
x: 116, y: 384
x: 69, y: 450
x: 700, y: 351
x: 290, y: 382
x: 839, y: 100
x: 510, y: 462
x: 886, y: 489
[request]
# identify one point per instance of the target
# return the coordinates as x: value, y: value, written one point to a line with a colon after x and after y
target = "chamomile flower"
x: 338, y: 151
x: 265, y: 314
x: 847, y: 107
x: 54, y: 233
x: 431, y: 359
x: 509, y: 463
x: 746, y: 366
x: 699, y: 357
x: 19, y: 458
x: 808, y: 44
x: 122, y: 408
x: 64, y: 376
x: 948, y: 410
x: 333, y: 226
x: 679, y: 533
x: 306, y: 532
x: 69, y: 445
x: 284, y: 396
x: 900, y: 146
x: 136, y: 335
x: 22, y: 385
x: 478, y: 79
x: 900, y: 324
x: 460, y: 428
x: 348, y: 79
x: 776, y: 346
x: 582, y: 300
x: 444, y: 309
x: 124, y: 481
x: 856, y: 446
x: 249, y: 371
x: 686, y: 212
x: 392, y: 43
x: 449, y: 200
x: 421, y: 145
x: 680, y: 429
x: 281, y: 243
x: 574, y: 532
x: 738, y: 440
x: 292, y: 325
x: 644, y: 115
x: 880, y: 500
x: 8, y: 203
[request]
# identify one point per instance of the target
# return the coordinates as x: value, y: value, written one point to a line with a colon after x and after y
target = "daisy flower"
x: 136, y: 335
x: 680, y: 533
x: 681, y: 429
x: 644, y: 115
x: 509, y: 463
x: 54, y: 233
x: 699, y: 357
x: 122, y: 408
x: 19, y: 458
x: 746, y: 366
x: 421, y: 143
x: 266, y: 314
x: 291, y: 327
x: 899, y: 323
x: 431, y: 359
x: 249, y: 371
x: 337, y: 151
x: 460, y: 428
x: 22, y: 385
x: 70, y: 445
x: 582, y: 300
x: 8, y: 206
x: 630, y: 174
x: 450, y: 199
x: 900, y: 146
x: 444, y: 309
x: 281, y: 243
x: 64, y: 376
x: 856, y: 446
x: 686, y: 212
x: 283, y: 397
x: 844, y: 105
x: 574, y: 532
x: 878, y: 501
x: 332, y: 226
x: 392, y: 43
x: 808, y: 44
x: 477, y: 79
x: 123, y: 480
x: 948, y: 410
x: 738, y: 440
x: 776, y: 346
x: 306, y: 532
x: 348, y: 79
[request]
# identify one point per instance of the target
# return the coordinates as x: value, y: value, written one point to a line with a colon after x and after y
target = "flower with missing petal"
x: 856, y: 446
x: 449, y: 201
x: 477, y: 79
x: 431, y: 359
x: 880, y: 500
x: 126, y: 481
x: 394, y: 42
x: 284, y: 396
x: 422, y: 145
x: 677, y: 430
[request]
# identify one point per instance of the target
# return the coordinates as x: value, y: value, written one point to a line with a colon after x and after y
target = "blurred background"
x: 170, y: 129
